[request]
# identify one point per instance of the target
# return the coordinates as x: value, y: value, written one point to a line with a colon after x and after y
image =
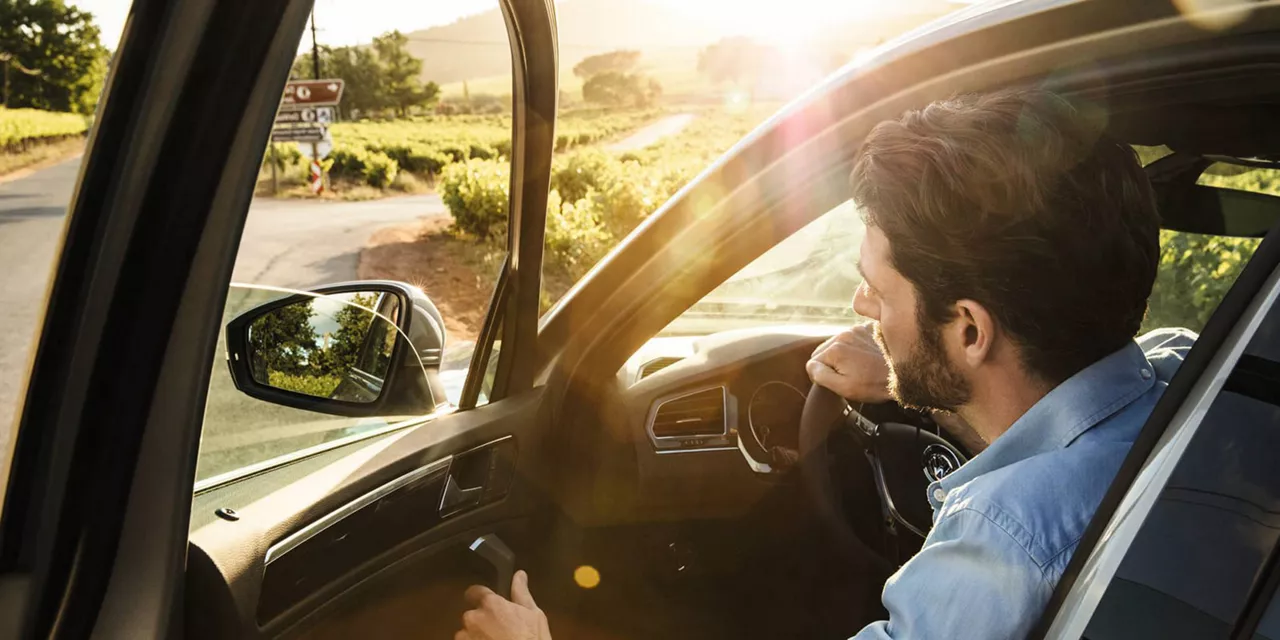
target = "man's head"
x: 1006, y: 236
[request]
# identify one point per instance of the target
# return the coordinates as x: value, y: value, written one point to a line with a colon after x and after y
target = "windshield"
x: 807, y: 279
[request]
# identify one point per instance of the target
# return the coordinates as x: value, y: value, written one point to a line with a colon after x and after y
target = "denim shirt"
x: 1006, y: 523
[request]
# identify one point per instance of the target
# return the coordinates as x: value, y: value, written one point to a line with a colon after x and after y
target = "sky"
x: 345, y: 22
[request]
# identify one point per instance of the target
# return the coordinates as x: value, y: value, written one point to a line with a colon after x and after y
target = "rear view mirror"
x: 355, y: 349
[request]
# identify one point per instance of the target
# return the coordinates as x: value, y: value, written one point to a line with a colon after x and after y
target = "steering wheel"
x: 902, y: 460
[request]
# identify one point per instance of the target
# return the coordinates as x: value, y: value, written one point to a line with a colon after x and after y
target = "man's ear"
x: 975, y: 331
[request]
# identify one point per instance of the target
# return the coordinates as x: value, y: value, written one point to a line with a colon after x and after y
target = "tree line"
x: 51, y: 56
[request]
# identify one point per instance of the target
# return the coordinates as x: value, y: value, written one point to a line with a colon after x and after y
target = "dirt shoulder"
x: 456, y: 273
x: 15, y: 166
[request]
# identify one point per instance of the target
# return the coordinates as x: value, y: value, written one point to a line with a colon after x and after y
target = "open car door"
x: 95, y: 531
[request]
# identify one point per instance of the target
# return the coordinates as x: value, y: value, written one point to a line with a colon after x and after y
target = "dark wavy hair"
x: 1019, y: 201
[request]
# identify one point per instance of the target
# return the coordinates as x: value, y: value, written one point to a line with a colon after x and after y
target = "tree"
x: 738, y: 60
x: 620, y: 61
x: 379, y: 77
x: 613, y: 88
x: 1195, y: 273
x: 60, y: 46
x: 402, y: 84
x: 354, y: 323
x: 358, y: 68
x: 282, y: 340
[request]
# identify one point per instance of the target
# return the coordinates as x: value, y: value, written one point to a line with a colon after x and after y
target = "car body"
x: 554, y: 443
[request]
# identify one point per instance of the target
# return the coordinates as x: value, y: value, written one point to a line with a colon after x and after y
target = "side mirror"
x: 370, y: 348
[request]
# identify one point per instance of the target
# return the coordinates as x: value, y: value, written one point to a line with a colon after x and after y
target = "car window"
x: 379, y: 136
x: 49, y: 94
x: 1198, y: 555
x: 809, y: 278
x: 642, y: 118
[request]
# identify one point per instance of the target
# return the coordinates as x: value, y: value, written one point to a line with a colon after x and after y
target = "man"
x: 1009, y: 253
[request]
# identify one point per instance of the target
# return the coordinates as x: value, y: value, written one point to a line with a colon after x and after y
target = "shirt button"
x: 1145, y: 373
x: 939, y: 494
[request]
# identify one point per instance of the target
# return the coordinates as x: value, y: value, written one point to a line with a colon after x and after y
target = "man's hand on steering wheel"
x: 850, y: 363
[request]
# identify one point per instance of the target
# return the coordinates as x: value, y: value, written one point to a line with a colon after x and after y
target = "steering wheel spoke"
x: 899, y: 458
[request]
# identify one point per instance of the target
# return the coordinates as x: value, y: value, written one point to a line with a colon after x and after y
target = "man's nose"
x: 863, y: 305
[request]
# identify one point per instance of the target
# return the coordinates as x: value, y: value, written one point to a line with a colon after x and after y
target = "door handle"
x: 497, y: 553
x: 455, y: 498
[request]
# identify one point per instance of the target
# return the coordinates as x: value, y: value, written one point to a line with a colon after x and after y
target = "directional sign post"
x: 312, y: 93
x: 307, y: 108
x: 299, y: 134
x: 304, y: 115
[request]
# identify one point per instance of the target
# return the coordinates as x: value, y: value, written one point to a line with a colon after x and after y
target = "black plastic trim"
x: 166, y: 151
x: 484, y: 342
x: 531, y: 29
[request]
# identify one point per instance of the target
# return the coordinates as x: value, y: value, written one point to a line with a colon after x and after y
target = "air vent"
x: 696, y: 414
x: 657, y: 364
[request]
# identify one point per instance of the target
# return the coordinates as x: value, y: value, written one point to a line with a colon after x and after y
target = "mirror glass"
x: 332, y: 347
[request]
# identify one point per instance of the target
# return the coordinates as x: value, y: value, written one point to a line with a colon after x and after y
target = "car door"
x: 98, y: 506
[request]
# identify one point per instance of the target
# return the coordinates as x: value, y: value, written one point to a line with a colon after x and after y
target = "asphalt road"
x: 287, y: 243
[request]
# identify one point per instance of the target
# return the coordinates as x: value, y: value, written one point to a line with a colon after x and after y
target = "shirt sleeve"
x: 971, y: 579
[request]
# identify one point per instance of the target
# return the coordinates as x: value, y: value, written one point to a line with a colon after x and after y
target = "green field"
x: 20, y: 128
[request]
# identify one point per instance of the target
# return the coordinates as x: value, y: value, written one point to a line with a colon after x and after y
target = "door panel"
x: 298, y: 550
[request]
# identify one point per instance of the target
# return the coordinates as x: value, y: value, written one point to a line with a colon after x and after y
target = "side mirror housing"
x: 368, y: 348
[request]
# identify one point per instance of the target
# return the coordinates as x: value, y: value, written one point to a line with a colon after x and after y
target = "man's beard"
x: 925, y: 379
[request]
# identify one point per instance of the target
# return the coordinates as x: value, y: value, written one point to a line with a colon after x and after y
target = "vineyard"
x: 597, y: 197
x: 374, y: 153
x: 31, y: 137
x: 22, y: 128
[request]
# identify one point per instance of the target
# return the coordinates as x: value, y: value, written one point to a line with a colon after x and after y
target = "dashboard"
x: 740, y: 391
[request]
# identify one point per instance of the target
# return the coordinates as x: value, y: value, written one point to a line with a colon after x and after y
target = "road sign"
x: 312, y: 93
x: 292, y: 114
x: 317, y: 178
x: 322, y: 148
x: 299, y: 134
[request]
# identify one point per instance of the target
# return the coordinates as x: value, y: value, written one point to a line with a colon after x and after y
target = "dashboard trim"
x: 664, y: 452
x: 290, y: 542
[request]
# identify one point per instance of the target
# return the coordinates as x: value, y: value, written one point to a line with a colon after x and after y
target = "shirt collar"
x: 1090, y: 396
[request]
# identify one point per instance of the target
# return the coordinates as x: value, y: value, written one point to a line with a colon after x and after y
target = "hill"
x: 475, y: 48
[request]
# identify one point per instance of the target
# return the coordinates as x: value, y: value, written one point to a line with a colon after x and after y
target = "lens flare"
x: 586, y: 576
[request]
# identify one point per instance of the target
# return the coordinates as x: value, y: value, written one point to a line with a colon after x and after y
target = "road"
x: 286, y: 243
x: 652, y: 133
